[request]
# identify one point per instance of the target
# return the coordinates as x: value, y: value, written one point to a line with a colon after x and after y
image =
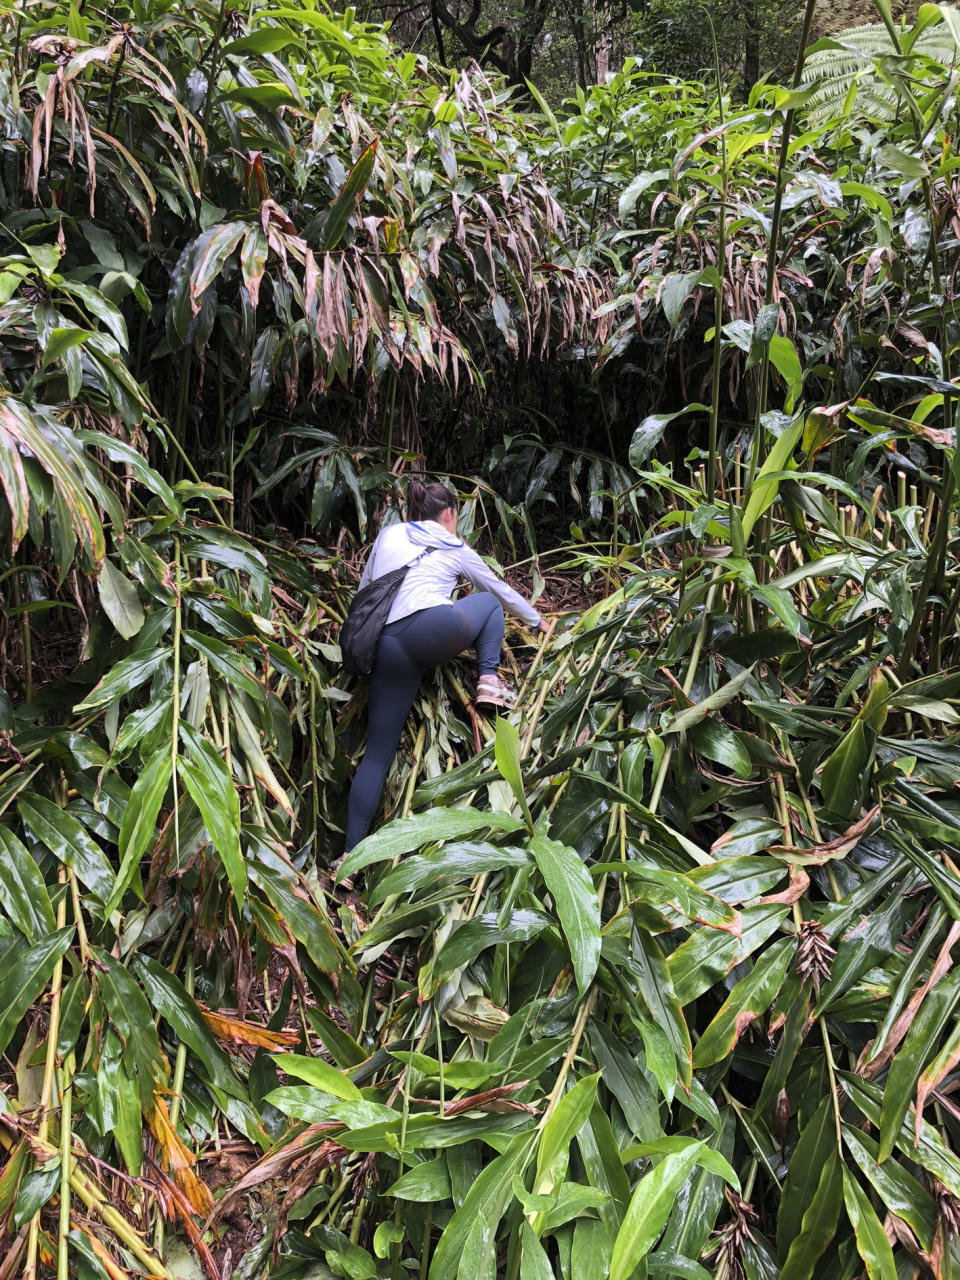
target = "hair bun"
x: 427, y: 501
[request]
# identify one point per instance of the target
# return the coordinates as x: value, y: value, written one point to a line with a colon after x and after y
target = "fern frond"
x: 854, y: 58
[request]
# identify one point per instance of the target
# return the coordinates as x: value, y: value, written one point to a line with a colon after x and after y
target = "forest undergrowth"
x: 651, y: 976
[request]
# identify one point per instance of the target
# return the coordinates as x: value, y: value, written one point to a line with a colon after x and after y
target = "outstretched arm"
x: 476, y: 572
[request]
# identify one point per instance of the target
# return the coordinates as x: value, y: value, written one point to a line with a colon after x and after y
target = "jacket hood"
x: 429, y: 533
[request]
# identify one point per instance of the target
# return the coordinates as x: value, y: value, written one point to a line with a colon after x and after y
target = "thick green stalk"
x: 46, y: 1088
x: 718, y: 289
x: 773, y: 245
x: 174, y: 747
x: 66, y: 1162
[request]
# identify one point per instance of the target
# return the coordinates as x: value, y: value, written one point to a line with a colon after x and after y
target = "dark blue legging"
x: 409, y: 648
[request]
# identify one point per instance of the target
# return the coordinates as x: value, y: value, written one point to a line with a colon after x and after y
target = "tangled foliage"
x: 666, y: 986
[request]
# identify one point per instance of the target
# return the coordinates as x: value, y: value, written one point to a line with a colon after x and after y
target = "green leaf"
x: 26, y: 972
x: 264, y: 40
x: 910, y: 1059
x: 475, y: 936
x: 654, y: 983
x: 716, y: 742
x: 211, y: 788
x: 691, y: 716
x: 708, y: 1158
x: 663, y: 1265
x: 784, y: 358
x: 844, y: 772
x: 139, y: 820
x: 872, y: 1243
x: 561, y: 1128
x: 120, y: 600
x: 904, y: 162
x: 132, y: 1017
x: 346, y: 201
x: 818, y: 1225
x: 35, y: 1190
x: 307, y: 922
x: 69, y: 842
x: 707, y: 955
x: 900, y: 1192
x: 764, y: 490
x: 23, y: 894
x: 534, y: 1264
x: 318, y: 1073
x: 403, y: 835
x: 931, y: 1152
x: 745, y: 1003
x: 649, y: 1209
x: 486, y: 1201
x: 128, y: 674
x: 572, y: 1201
x: 810, y: 1156
x: 575, y: 900
x: 699, y: 1201
x: 648, y: 434
x: 427, y: 1183
x: 429, y: 871
x: 601, y: 1160
x: 386, y: 1234
x: 61, y: 340
x: 507, y: 750
x: 171, y: 1000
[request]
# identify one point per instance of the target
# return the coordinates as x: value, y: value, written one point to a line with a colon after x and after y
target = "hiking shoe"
x: 493, y: 692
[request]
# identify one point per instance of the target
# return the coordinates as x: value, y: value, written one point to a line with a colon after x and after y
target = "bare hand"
x: 544, y: 626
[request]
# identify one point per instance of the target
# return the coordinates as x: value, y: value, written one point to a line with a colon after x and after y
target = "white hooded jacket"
x: 431, y: 581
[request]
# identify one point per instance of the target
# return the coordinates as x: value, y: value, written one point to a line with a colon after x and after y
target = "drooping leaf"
x: 649, y: 1209
x: 23, y: 894
x: 120, y: 601
x: 571, y: 888
x: 872, y: 1243
x: 25, y: 975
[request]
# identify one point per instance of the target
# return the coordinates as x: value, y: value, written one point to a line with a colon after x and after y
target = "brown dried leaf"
x: 236, y: 1031
x: 817, y: 854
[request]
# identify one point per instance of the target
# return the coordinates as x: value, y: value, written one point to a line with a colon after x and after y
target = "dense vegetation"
x: 665, y: 985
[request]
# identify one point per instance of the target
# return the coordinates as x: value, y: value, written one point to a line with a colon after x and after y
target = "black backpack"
x: 367, y: 616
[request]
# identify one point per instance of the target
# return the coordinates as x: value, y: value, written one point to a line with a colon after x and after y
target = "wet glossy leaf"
x: 26, y: 972
x: 649, y: 1209
x: 818, y: 1225
x: 23, y: 894
x: 747, y: 1001
x: 406, y: 834
x: 571, y: 888
x: 872, y: 1243
x: 69, y: 842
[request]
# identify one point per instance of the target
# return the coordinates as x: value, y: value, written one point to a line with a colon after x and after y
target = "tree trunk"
x: 751, y: 46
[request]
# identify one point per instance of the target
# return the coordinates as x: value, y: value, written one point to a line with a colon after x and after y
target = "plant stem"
x: 66, y: 1160
x: 774, y: 239
x: 831, y: 1068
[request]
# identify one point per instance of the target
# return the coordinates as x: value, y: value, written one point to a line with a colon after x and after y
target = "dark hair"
x: 426, y: 501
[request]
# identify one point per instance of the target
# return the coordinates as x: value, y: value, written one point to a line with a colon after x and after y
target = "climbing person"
x: 425, y: 627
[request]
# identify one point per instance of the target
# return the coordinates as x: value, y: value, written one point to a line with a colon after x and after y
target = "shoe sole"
x: 496, y: 702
